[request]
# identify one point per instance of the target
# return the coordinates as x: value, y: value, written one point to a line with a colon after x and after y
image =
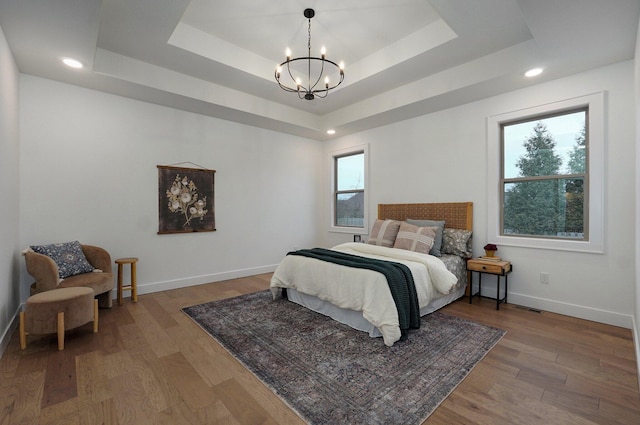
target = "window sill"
x: 590, y: 247
x: 350, y: 230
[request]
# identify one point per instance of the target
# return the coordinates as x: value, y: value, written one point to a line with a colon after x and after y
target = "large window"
x: 349, y: 190
x: 546, y: 175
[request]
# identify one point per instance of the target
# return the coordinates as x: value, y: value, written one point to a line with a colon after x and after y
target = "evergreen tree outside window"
x: 545, y: 176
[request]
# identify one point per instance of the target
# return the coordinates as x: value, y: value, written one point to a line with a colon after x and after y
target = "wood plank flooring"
x: 150, y: 364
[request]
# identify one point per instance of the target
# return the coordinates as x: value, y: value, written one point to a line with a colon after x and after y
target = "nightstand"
x: 488, y: 266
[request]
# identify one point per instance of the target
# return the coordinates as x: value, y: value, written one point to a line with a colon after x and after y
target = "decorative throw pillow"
x: 457, y: 242
x: 384, y: 233
x: 437, y: 244
x: 68, y: 257
x: 414, y: 238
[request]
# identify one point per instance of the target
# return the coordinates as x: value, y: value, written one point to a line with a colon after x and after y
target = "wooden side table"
x: 132, y: 287
x: 497, y: 268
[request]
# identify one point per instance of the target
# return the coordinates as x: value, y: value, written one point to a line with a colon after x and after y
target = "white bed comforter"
x: 365, y: 290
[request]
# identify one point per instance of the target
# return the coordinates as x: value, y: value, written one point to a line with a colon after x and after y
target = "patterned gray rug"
x: 330, y: 374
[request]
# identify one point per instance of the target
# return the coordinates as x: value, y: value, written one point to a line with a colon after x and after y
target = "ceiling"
x: 403, y: 58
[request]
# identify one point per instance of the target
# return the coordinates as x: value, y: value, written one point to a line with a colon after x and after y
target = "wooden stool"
x: 132, y: 287
x: 56, y: 311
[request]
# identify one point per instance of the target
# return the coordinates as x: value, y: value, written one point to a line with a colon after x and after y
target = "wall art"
x: 185, y: 200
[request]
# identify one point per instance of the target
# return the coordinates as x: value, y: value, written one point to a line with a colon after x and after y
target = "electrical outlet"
x: 544, y: 278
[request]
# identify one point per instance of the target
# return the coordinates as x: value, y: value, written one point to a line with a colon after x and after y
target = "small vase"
x: 489, y: 253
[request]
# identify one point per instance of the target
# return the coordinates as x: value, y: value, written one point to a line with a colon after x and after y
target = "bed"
x: 360, y: 298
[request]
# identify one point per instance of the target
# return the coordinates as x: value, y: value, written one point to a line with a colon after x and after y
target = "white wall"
x: 9, y: 174
x: 442, y: 157
x: 89, y: 173
x: 636, y: 331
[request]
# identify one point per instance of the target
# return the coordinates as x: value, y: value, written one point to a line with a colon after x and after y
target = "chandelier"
x: 308, y: 89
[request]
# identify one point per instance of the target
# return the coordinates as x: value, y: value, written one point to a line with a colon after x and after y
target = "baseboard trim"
x: 573, y: 310
x: 8, y: 332
x: 148, y: 288
x: 636, y: 343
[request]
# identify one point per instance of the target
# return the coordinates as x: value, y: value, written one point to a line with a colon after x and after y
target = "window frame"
x: 332, y: 159
x: 594, y: 192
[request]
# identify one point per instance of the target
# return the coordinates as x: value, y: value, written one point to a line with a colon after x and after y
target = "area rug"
x: 329, y: 373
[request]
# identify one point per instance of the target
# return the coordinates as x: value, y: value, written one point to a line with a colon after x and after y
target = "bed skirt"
x: 354, y: 318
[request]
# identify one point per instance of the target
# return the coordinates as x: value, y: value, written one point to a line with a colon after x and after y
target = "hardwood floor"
x: 150, y: 364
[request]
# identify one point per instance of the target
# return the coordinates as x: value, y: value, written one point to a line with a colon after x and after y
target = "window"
x: 349, y: 190
x: 546, y: 178
x: 349, y: 207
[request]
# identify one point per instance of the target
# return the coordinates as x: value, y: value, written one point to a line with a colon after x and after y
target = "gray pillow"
x: 437, y: 243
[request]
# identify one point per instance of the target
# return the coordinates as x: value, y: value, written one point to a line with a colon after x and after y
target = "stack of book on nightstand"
x: 494, y: 258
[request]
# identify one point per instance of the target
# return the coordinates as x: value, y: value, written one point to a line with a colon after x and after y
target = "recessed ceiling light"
x: 72, y: 63
x: 331, y: 132
x: 533, y: 72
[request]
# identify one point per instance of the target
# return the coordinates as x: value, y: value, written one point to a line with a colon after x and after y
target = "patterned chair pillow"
x: 68, y: 257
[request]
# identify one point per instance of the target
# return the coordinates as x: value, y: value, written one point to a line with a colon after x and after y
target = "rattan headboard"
x: 457, y: 215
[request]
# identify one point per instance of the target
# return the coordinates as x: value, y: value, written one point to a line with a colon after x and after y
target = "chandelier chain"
x: 309, y: 39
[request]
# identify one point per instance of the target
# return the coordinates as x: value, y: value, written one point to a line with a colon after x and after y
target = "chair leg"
x: 61, y: 331
x: 95, y: 316
x: 23, y: 335
x: 120, y: 283
x: 134, y: 283
x: 105, y: 300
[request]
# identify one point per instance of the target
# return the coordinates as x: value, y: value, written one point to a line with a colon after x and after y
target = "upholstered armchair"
x: 46, y: 273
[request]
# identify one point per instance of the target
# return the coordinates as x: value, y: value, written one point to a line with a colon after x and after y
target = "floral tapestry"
x: 185, y: 200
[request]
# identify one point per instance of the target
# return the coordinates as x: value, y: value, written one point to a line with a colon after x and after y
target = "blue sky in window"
x: 351, y: 172
x: 564, y: 128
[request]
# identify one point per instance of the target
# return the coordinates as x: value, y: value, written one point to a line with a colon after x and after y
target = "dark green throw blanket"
x: 398, y: 276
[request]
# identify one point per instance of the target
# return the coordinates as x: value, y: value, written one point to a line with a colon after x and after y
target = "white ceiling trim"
x: 206, y: 45
x: 421, y: 41
x: 487, y: 68
x: 135, y: 71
